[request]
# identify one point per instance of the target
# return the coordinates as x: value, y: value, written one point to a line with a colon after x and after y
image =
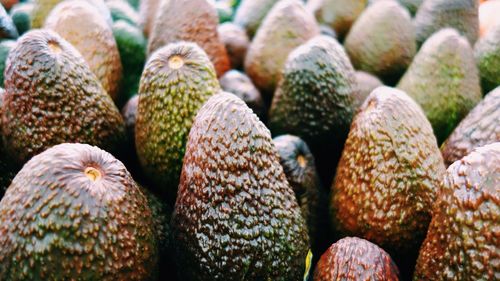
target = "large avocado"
x: 236, y: 216
x: 462, y: 242
x: 176, y: 81
x: 52, y: 97
x: 75, y: 213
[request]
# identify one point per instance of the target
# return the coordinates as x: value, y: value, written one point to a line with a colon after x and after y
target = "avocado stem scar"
x: 175, y: 62
x: 92, y: 173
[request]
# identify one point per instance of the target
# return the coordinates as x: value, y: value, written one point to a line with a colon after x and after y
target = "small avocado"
x: 147, y: 15
x: 191, y: 21
x: 487, y: 54
x: 462, y: 241
x: 251, y: 13
x: 121, y: 10
x: 382, y: 41
x: 52, y: 97
x: 388, y: 176
x: 7, y: 28
x: 434, y: 15
x: 236, y: 216
x: 21, y: 16
x: 176, y: 81
x: 443, y: 78
x: 287, y: 26
x: 238, y: 83
x: 338, y: 14
x: 353, y: 259
x: 74, y: 213
x: 5, y: 47
x: 479, y: 128
x: 366, y: 84
x: 236, y: 41
x: 80, y: 23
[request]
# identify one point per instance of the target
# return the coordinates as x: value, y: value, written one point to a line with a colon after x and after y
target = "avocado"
x: 236, y: 216
x: 352, y: 259
x: 488, y: 16
x: 444, y: 80
x: 411, y: 5
x: 462, y: 242
x: 434, y: 15
x: 191, y: 21
x: 21, y: 16
x: 224, y: 10
x: 338, y: 14
x: 7, y: 170
x: 479, y: 128
x: 236, y: 41
x: 251, y: 13
x: 7, y: 28
x: 366, y: 84
x: 238, y: 83
x: 74, y: 213
x: 382, y: 41
x: 134, y: 3
x: 5, y: 47
x: 388, y: 176
x: 121, y: 10
x: 176, y: 81
x: 132, y: 48
x: 487, y: 54
x: 80, y: 23
x: 52, y: 97
x: 287, y: 26
x: 298, y: 164
x: 130, y: 159
x: 327, y: 30
x: 147, y: 14
x: 129, y: 113
x: 315, y: 100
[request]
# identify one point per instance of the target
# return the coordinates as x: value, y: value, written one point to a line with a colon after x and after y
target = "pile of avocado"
x: 289, y: 140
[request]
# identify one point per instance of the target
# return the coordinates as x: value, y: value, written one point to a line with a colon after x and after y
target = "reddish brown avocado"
x: 52, y: 97
x: 479, y: 128
x: 192, y: 21
x: 353, y: 259
x: 389, y: 173
x: 236, y: 216
x: 463, y: 238
x: 75, y: 213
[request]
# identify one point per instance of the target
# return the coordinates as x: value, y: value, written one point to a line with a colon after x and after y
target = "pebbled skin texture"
x: 444, y: 80
x: 147, y: 14
x: 192, y: 21
x: 338, y: 14
x: 315, y: 100
x: 168, y: 102
x: 389, y: 173
x: 236, y: 216
x: 236, y: 41
x: 366, y: 84
x: 7, y: 171
x: 382, y: 41
x: 81, y: 24
x: 487, y: 54
x: 238, y: 83
x: 58, y: 224
x: 434, y: 15
x: 52, y: 97
x: 251, y: 13
x: 463, y: 242
x: 352, y: 258
x: 287, y: 26
x: 479, y: 128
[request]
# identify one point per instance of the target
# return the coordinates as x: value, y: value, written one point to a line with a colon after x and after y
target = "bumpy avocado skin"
x: 52, y: 97
x: 338, y: 14
x: 382, y: 41
x: 236, y: 216
x: 462, y: 242
x: 353, y: 258
x: 192, y: 21
x: 251, y: 13
x: 81, y: 24
x: 479, y: 128
x: 7, y: 168
x: 316, y: 100
x: 444, y: 80
x: 176, y: 81
x: 487, y: 54
x: 388, y: 175
x: 434, y: 15
x: 56, y: 223
x: 287, y: 26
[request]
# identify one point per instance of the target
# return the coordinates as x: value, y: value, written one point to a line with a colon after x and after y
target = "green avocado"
x: 52, y: 97
x: 21, y: 16
x: 462, y: 241
x: 74, y: 213
x: 5, y: 47
x: 487, y: 54
x: 176, y: 81
x: 236, y: 216
x: 121, y: 10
